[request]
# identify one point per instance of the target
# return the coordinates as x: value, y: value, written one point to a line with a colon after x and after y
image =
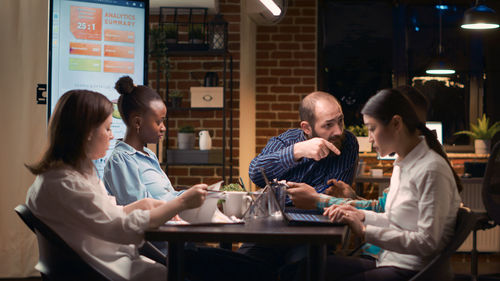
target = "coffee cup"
x: 236, y: 203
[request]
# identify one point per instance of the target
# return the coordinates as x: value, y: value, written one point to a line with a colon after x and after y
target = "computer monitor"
x: 92, y: 43
x: 434, y: 126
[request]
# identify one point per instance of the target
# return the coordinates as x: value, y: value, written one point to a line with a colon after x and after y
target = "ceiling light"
x: 480, y: 17
x: 439, y: 65
x: 272, y: 7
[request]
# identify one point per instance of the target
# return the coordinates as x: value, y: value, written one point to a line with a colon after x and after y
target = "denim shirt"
x: 131, y: 175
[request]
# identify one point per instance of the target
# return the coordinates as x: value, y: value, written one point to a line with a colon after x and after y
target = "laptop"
x: 296, y: 216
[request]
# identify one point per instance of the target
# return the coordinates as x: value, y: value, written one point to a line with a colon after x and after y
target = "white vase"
x: 482, y: 146
x: 364, y: 144
x: 185, y: 140
x: 205, y: 140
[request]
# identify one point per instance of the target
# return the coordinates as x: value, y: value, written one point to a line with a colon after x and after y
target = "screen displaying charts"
x: 92, y: 44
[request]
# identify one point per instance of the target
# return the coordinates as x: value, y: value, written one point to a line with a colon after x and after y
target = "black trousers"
x: 360, y: 269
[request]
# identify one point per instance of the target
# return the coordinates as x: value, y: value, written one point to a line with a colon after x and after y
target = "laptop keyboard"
x: 306, y: 217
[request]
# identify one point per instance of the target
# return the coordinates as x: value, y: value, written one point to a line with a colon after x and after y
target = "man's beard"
x: 338, y: 141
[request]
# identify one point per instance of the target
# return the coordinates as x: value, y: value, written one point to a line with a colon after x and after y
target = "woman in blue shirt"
x: 133, y: 171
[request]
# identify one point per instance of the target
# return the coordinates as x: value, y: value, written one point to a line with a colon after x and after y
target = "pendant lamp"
x: 439, y: 65
x: 480, y: 17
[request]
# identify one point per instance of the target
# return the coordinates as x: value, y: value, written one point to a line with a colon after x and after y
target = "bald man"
x: 309, y: 156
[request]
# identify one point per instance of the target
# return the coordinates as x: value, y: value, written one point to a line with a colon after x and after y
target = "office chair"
x: 57, y: 261
x: 491, y: 200
x: 466, y: 220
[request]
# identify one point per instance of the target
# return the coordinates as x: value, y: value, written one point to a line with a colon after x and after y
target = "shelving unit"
x: 188, y: 33
x: 227, y: 108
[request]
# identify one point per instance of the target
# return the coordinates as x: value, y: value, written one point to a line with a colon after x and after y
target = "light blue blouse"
x: 131, y: 175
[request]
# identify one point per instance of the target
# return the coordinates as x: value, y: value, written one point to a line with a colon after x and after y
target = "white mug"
x: 236, y: 203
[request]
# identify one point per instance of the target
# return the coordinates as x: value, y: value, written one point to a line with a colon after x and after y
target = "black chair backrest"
x: 466, y: 220
x: 57, y: 261
x: 491, y: 185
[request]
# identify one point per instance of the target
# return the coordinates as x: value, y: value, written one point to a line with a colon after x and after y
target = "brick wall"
x: 285, y: 70
x: 188, y: 71
x: 285, y: 73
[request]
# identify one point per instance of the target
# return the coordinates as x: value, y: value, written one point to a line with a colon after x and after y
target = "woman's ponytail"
x: 433, y: 143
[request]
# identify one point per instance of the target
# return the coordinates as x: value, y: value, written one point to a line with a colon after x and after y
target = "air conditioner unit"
x: 266, y: 12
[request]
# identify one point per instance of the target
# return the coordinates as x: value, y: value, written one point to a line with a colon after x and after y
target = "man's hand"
x: 340, y: 189
x: 302, y: 195
x: 315, y: 148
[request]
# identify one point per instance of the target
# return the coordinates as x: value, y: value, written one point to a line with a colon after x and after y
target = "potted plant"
x: 170, y: 32
x: 175, y: 98
x: 196, y: 33
x: 482, y: 133
x: 185, y: 137
x: 361, y: 133
x: 158, y: 52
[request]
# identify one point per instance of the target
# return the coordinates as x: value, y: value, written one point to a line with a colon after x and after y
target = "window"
x: 370, y: 45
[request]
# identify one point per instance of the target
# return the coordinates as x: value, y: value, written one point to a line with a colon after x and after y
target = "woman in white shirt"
x: 69, y: 197
x: 422, y: 203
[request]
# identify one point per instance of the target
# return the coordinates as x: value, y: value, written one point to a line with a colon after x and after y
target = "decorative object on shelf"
x: 185, y: 137
x: 217, y: 33
x: 175, y: 98
x: 361, y: 133
x: 482, y: 133
x: 212, y: 97
x: 211, y: 79
x: 205, y: 140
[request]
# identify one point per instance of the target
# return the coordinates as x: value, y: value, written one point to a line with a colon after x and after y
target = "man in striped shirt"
x: 309, y: 156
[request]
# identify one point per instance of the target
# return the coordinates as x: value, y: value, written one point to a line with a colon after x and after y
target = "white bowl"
x: 204, y: 213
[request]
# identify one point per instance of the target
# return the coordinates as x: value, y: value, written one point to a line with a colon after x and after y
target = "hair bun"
x: 124, y: 85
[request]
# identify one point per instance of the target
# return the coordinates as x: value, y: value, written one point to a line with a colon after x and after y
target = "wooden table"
x: 271, y: 230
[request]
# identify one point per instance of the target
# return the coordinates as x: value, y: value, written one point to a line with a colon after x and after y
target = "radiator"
x: 487, y: 240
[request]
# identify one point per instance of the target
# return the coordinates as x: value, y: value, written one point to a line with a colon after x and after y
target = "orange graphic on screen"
x: 86, y: 49
x: 86, y: 22
x: 118, y: 66
x: 118, y: 51
x: 119, y: 36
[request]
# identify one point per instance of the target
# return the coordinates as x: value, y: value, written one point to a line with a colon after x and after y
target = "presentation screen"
x: 92, y: 44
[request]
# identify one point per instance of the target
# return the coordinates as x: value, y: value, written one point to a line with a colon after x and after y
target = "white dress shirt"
x: 420, y: 212
x: 81, y: 212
